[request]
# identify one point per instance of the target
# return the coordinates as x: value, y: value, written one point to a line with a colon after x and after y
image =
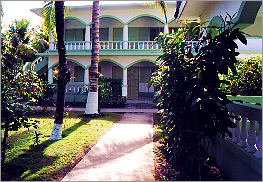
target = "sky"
x: 21, y: 9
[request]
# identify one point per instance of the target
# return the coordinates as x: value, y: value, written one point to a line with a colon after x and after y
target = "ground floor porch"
x: 134, y: 71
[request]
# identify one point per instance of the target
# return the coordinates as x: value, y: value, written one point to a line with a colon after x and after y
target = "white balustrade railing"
x: 117, y: 45
x: 250, y: 115
x: 111, y: 45
x: 143, y: 45
x: 75, y: 88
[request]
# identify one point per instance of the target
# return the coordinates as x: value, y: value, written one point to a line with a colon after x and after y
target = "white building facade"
x: 127, y: 33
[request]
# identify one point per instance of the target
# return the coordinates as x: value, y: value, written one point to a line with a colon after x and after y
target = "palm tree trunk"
x: 56, y: 133
x: 92, y: 101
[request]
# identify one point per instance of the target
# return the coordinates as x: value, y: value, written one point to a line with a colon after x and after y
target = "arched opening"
x: 144, y: 28
x: 110, y: 29
x: 77, y: 71
x: 74, y: 30
x: 110, y: 70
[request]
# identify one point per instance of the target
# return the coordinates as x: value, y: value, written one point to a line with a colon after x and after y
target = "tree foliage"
x: 248, y: 81
x: 19, y: 37
x: 17, y: 88
x: 187, y: 87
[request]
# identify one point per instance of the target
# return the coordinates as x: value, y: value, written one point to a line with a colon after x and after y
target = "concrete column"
x: 87, y: 37
x: 51, y: 39
x: 110, y: 34
x: 50, y: 75
x: 165, y: 28
x: 125, y: 36
x: 125, y: 83
x: 92, y: 103
x: 86, y: 77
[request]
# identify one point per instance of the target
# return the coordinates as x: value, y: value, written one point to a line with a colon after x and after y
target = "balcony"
x: 109, y: 45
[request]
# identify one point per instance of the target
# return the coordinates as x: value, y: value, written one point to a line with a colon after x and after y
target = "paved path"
x: 125, y: 153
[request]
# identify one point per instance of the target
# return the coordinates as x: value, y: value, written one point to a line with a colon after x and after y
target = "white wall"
x: 125, y: 13
x: 253, y: 44
x: 230, y: 7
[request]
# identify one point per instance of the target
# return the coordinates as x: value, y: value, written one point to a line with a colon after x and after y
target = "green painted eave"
x: 250, y: 52
x: 106, y: 53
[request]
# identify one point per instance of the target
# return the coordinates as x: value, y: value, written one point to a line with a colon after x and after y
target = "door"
x: 133, y: 82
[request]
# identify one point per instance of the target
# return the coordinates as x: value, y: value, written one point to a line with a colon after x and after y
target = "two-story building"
x: 127, y: 32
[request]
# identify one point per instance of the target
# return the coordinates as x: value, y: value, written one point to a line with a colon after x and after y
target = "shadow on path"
x: 123, y: 153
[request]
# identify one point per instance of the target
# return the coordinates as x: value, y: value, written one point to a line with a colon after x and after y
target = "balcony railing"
x: 240, y: 157
x: 109, y: 45
x: 248, y: 115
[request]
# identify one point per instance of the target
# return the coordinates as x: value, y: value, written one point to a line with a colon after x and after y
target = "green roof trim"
x: 250, y: 52
x: 169, y: 21
x: 113, y: 17
x: 145, y: 15
x: 112, y: 61
x: 77, y: 19
x: 70, y: 60
x: 141, y: 60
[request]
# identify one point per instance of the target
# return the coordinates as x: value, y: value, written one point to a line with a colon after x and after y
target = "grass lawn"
x: 249, y: 99
x: 50, y: 160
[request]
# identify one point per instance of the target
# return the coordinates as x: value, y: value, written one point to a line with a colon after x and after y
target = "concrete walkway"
x: 125, y: 153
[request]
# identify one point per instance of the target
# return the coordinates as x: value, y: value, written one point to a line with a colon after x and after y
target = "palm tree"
x: 49, y: 23
x: 92, y: 100
x: 56, y: 133
x: 160, y: 5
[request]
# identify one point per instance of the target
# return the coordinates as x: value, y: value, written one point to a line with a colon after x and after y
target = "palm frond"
x: 49, y: 23
x: 160, y: 5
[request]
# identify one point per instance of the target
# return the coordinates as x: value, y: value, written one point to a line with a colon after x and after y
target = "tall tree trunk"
x: 92, y: 101
x: 56, y: 133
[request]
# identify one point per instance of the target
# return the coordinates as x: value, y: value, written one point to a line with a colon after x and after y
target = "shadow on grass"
x: 34, y: 159
x: 68, y: 131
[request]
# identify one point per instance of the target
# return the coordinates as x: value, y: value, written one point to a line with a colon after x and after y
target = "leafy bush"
x: 187, y: 86
x: 110, y: 92
x: 248, y: 81
x: 17, y: 88
x: 49, y: 89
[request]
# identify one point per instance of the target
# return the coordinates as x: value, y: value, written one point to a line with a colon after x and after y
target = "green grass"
x: 49, y: 158
x: 249, y: 99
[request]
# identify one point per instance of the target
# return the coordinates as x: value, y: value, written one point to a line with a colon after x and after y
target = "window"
x: 75, y: 35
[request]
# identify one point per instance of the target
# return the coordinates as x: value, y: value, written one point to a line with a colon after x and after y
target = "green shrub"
x: 248, y: 81
x: 110, y: 92
x: 187, y: 86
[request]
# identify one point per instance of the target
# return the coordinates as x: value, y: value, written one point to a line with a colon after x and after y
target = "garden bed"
x: 166, y: 171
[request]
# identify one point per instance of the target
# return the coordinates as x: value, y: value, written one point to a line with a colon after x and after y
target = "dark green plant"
x: 49, y: 89
x: 187, y: 87
x: 19, y: 36
x: 110, y: 92
x: 248, y: 81
x: 40, y: 41
x: 36, y: 138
